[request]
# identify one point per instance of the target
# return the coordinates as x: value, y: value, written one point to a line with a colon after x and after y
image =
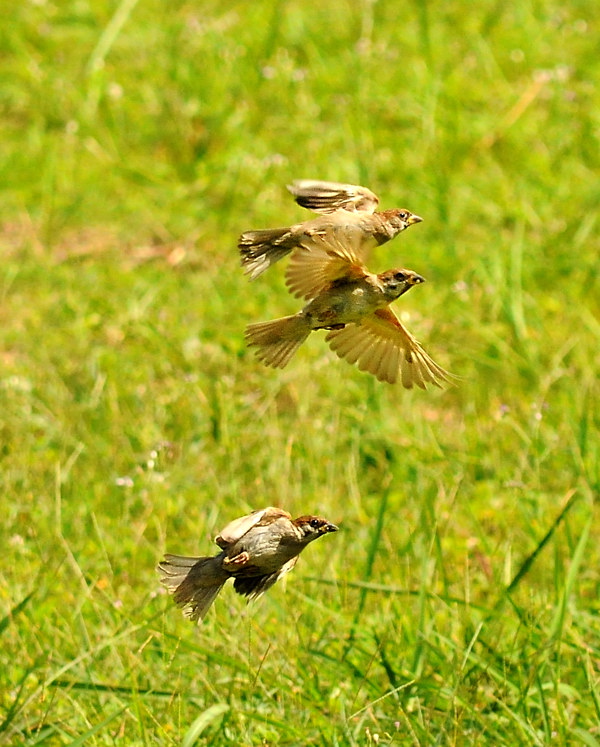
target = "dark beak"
x: 330, y: 528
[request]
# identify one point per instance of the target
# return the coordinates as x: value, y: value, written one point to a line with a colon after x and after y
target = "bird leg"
x: 237, y: 560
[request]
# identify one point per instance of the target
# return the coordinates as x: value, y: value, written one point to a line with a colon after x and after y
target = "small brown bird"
x: 342, y: 207
x: 257, y: 550
x: 352, y: 303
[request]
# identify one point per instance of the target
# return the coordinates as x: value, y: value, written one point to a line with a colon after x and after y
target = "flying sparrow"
x: 342, y: 206
x: 256, y: 551
x: 352, y: 303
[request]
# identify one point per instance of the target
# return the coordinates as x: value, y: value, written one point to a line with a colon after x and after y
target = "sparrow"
x: 341, y: 206
x: 353, y: 305
x: 256, y: 551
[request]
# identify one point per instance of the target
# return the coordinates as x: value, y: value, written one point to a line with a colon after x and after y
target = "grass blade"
x: 83, y: 738
x: 7, y: 619
x: 530, y: 559
x: 204, y: 719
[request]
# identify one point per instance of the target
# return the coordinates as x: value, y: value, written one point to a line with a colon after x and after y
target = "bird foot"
x: 237, y: 560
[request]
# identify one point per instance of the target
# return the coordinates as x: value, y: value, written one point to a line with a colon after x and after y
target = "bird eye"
x: 404, y: 215
x: 315, y: 523
x: 400, y: 276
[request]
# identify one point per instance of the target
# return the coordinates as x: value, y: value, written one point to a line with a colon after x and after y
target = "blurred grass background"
x: 459, y: 605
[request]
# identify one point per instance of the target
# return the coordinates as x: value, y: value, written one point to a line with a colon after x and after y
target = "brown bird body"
x: 257, y: 550
x: 352, y: 303
x: 343, y: 208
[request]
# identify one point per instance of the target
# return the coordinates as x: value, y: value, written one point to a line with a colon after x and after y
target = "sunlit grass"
x: 459, y: 603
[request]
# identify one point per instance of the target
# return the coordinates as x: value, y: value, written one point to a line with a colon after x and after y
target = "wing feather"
x: 253, y: 586
x: 382, y: 345
x: 327, y: 197
x: 323, y: 259
x: 237, y: 528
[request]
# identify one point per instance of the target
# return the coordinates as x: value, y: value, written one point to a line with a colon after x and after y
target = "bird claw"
x: 237, y: 560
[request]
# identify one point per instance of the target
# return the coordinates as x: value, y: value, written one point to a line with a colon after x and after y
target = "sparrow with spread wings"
x: 342, y: 207
x: 256, y: 551
x: 353, y: 305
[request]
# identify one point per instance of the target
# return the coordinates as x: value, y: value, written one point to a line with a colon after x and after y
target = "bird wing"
x: 254, y: 586
x: 324, y: 258
x: 327, y: 197
x: 383, y: 346
x: 237, y: 528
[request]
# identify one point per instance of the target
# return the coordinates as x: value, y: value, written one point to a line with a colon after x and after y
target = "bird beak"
x: 414, y: 219
x: 331, y: 528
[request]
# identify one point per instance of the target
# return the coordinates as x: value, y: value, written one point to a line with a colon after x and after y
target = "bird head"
x: 312, y: 527
x: 403, y: 218
x: 397, y: 282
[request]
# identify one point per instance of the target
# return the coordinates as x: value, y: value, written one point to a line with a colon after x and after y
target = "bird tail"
x: 259, y: 250
x: 278, y: 340
x: 193, y: 582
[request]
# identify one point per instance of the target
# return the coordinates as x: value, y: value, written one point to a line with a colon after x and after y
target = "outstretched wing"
x: 237, y: 528
x: 327, y: 197
x: 324, y: 258
x: 383, y: 346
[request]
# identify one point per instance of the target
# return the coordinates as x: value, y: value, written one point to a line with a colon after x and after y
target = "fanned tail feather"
x: 259, y: 250
x: 277, y: 341
x: 193, y: 582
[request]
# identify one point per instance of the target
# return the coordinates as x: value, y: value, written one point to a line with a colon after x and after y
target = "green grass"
x: 459, y: 603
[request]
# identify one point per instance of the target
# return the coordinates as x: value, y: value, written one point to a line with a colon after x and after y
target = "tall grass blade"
x: 531, y: 558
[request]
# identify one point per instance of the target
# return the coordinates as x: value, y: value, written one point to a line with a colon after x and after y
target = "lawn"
x: 459, y: 603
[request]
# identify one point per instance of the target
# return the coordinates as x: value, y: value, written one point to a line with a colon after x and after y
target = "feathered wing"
x: 383, y: 346
x: 252, y: 587
x: 323, y: 259
x: 237, y: 528
x: 327, y: 197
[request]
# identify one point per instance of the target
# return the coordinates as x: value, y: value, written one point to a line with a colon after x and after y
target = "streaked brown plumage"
x: 342, y: 207
x: 256, y: 551
x: 353, y: 305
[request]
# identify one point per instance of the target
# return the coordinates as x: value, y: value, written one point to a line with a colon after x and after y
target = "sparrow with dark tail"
x: 342, y: 207
x: 256, y: 551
